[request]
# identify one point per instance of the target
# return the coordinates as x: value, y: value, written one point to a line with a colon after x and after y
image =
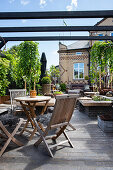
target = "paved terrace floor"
x: 93, y: 150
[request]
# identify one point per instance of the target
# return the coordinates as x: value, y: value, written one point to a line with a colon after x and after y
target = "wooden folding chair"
x: 4, y: 133
x: 61, y: 116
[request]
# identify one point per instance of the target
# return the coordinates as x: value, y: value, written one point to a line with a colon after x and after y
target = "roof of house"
x: 99, y: 22
x: 78, y: 45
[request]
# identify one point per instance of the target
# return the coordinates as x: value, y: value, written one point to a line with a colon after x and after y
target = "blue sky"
x: 50, y: 48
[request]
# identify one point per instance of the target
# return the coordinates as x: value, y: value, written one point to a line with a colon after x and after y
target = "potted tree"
x: 29, y: 64
x: 46, y: 85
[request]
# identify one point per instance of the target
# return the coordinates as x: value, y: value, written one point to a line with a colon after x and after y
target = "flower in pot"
x: 46, y: 85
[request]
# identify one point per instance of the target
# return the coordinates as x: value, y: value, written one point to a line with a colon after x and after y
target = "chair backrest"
x: 16, y: 93
x: 63, y: 109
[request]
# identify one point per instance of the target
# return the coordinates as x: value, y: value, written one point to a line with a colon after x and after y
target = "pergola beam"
x: 56, y: 28
x: 2, y: 43
x: 57, y: 14
x: 56, y: 38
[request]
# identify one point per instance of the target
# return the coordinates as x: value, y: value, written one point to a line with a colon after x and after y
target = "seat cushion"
x: 9, y: 119
x: 44, y: 119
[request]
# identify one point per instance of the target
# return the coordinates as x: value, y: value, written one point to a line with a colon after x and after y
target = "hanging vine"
x: 101, y: 61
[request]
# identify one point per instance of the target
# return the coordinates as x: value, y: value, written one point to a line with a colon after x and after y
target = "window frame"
x: 78, y: 71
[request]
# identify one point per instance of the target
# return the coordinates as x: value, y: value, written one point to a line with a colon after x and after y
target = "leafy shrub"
x: 63, y: 87
x: 57, y: 92
x: 4, y: 66
x: 99, y: 98
x: 46, y: 80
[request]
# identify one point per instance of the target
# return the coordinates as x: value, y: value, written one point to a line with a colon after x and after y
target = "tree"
x: 54, y: 73
x: 29, y: 63
x: 13, y: 76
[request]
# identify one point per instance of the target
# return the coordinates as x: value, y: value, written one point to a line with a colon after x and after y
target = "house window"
x: 111, y: 33
x: 100, y: 35
x: 78, y: 70
x: 78, y: 53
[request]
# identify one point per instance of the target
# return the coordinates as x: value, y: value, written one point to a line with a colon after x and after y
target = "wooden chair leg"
x: 71, y: 126
x: 69, y: 141
x: 42, y: 138
x: 10, y: 136
x: 25, y: 126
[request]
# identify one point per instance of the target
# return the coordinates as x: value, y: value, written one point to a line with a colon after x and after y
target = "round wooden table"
x: 28, y: 104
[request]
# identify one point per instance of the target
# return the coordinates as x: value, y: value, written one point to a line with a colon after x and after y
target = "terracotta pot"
x: 32, y: 93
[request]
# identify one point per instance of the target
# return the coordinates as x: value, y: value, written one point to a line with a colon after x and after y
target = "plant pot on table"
x: 33, y: 93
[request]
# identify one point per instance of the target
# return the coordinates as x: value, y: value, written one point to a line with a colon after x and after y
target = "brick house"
x: 74, y: 58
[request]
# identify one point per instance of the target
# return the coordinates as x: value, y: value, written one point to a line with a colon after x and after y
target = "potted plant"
x: 46, y: 85
x: 57, y: 93
x: 29, y: 64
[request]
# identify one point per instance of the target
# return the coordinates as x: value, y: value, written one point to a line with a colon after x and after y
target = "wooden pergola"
x: 54, y: 15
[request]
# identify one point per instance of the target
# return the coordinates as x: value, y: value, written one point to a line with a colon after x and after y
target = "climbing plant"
x: 101, y: 61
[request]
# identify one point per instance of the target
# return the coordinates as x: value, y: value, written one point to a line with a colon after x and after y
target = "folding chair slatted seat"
x: 61, y: 116
x: 5, y: 124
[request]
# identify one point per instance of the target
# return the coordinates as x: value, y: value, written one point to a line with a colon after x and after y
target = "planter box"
x: 4, y: 98
x: 106, y: 126
x: 95, y: 108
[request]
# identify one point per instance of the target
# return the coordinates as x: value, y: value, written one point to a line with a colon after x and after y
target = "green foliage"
x: 63, y: 87
x: 46, y: 80
x: 99, y: 98
x: 54, y: 72
x: 86, y: 77
x: 29, y: 62
x: 58, y: 92
x: 13, y: 74
x: 101, y: 57
x: 4, y: 66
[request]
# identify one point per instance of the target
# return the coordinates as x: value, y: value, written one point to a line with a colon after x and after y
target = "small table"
x: 28, y: 104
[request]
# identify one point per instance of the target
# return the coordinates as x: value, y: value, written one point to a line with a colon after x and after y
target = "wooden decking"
x: 93, y: 150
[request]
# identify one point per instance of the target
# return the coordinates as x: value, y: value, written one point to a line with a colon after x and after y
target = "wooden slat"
x: 60, y: 143
x: 59, y: 125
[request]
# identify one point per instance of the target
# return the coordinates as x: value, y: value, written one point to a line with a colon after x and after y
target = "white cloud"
x: 42, y: 3
x: 74, y: 2
x: 24, y: 2
x: 69, y: 8
x: 11, y: 1
x: 72, y: 5
x: 24, y: 21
